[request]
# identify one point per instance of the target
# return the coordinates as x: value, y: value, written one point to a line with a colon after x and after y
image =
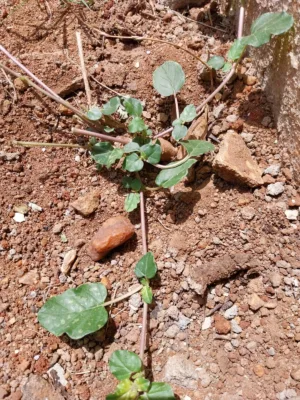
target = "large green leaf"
x: 105, y: 154
x: 133, y: 107
x: 94, y: 113
x: 133, y: 163
x: 216, y: 62
x: 131, y: 183
x: 159, y: 391
x: 111, y: 106
x: 168, y: 78
x: 125, y: 390
x: 151, y: 153
x: 142, y: 384
x: 179, y: 132
x: 123, y: 363
x: 236, y: 50
x: 137, y: 124
x: 131, y: 201
x: 188, y: 114
x: 171, y: 176
x: 146, y: 267
x: 147, y: 294
x: 76, y: 312
x: 197, y: 147
x: 131, y: 147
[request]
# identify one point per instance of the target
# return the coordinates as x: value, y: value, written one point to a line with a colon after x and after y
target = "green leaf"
x: 131, y: 201
x: 177, y: 122
x: 236, y: 50
x: 125, y: 390
x: 216, y: 62
x: 188, y: 114
x: 227, y: 67
x: 159, y: 391
x: 131, y: 183
x: 108, y: 129
x: 123, y: 363
x: 131, y: 147
x: 149, y: 132
x: 179, y: 132
x: 94, y: 113
x: 146, y: 267
x: 105, y: 154
x: 197, y: 147
x: 133, y: 163
x: 151, y: 153
x: 169, y: 177
x: 168, y: 78
x: 137, y: 124
x: 147, y: 294
x: 142, y: 384
x: 111, y: 106
x: 133, y: 107
x: 76, y: 312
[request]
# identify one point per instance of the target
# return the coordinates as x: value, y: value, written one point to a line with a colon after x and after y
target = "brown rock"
x: 38, y: 388
x: 113, y: 232
x: 295, y: 374
x: 222, y: 325
x: 63, y: 110
x: 259, y: 370
x: 30, y: 278
x: 168, y: 152
x: 234, y: 162
x: 16, y: 395
x: 20, y: 85
x: 249, y: 80
x: 294, y: 201
x: 255, y: 302
x: 88, y: 203
x: 3, y: 393
x: 68, y: 261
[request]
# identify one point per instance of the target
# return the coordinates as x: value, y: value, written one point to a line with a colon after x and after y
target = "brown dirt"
x: 201, y: 221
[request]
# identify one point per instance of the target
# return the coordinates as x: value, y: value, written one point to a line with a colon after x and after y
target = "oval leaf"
x: 171, y: 176
x: 137, y: 124
x: 131, y: 147
x: 188, y: 114
x: 105, y: 154
x: 133, y: 107
x: 168, y: 78
x: 131, y: 183
x: 133, y: 163
x: 111, y: 106
x: 94, y: 113
x: 236, y: 50
x: 76, y: 312
x: 125, y: 390
x: 216, y: 62
x: 197, y: 147
x: 123, y: 363
x: 159, y: 391
x: 151, y: 153
x: 146, y: 267
x: 147, y: 294
x: 131, y: 201
x: 227, y: 67
x: 179, y: 132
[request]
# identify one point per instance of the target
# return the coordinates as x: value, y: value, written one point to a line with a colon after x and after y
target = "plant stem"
x: 99, y: 135
x: 83, y: 69
x: 40, y: 144
x: 176, y: 105
x: 169, y: 130
x: 174, y: 165
x: 124, y: 296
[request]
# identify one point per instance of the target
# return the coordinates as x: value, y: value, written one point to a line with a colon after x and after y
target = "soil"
x: 204, y: 219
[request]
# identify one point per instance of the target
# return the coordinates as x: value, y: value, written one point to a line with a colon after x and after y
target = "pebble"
x: 275, y: 189
x: 30, y: 278
x: 272, y: 170
x: 183, y: 321
x: 295, y: 374
x: 270, y: 363
x: 275, y: 279
x: 266, y: 121
x: 181, y: 371
x: 88, y: 203
x: 232, y: 118
x: 248, y: 213
x: 172, y: 331
x: 173, y: 312
x: 248, y: 137
x: 206, y: 323
x: 222, y: 326
x: 259, y: 370
x: 19, y: 217
x: 57, y: 228
x: 292, y: 215
x: 68, y: 261
x: 235, y: 327
x: 272, y: 351
x: 255, y: 302
x: 231, y: 312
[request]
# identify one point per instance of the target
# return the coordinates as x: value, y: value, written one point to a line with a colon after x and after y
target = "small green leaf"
x: 227, y: 67
x: 171, y: 176
x: 111, y: 106
x: 177, y: 122
x: 159, y: 391
x: 146, y: 267
x: 133, y: 163
x: 151, y: 153
x: 133, y: 107
x: 147, y: 294
x: 131, y: 147
x: 123, y: 363
x: 105, y: 154
x: 216, y: 62
x: 63, y: 238
x: 179, y: 132
x: 236, y: 50
x: 131, y: 201
x: 197, y: 147
x: 137, y: 124
x: 132, y: 183
x: 188, y: 114
x: 125, y: 390
x: 149, y: 132
x: 94, y: 113
x: 108, y: 129
x: 142, y: 384
x: 168, y: 78
x: 76, y: 312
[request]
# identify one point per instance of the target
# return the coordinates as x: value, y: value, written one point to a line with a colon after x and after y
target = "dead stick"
x: 83, y: 69
x: 99, y: 135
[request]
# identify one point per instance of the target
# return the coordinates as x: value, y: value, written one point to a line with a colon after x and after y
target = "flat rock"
x: 235, y: 164
x: 255, y: 302
x: 88, y: 203
x: 113, y: 232
x: 68, y: 261
x: 37, y: 388
x: 30, y: 278
x: 292, y: 215
x: 8, y: 156
x: 275, y: 189
x: 181, y: 371
x: 295, y: 374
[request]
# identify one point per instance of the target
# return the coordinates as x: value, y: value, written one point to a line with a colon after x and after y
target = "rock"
x: 297, y: 337
x: 168, y: 152
x: 292, y: 215
x: 295, y: 374
x: 58, y: 374
x: 57, y: 228
x: 275, y: 279
x: 6, y: 107
x: 231, y: 312
x: 181, y: 371
x: 183, y: 321
x: 3, y: 393
x: 172, y: 331
x: 20, y: 85
x: 255, y: 302
x: 248, y: 137
x: 135, y: 302
x: 88, y: 203
x: 173, y: 312
x: 206, y: 323
x: 270, y: 363
x: 294, y: 201
x: 235, y: 327
x: 18, y: 217
x: 113, y: 232
x: 232, y: 118
x: 68, y: 261
x: 272, y: 170
x: 204, y: 377
x: 275, y: 189
x: 266, y: 121
x: 249, y: 80
x: 248, y: 213
x: 222, y: 325
x: 8, y: 156
x: 162, y: 117
x: 259, y: 370
x: 21, y: 208
x: 35, y: 207
x: 234, y: 162
x: 63, y: 110
x: 30, y: 278
x: 37, y: 388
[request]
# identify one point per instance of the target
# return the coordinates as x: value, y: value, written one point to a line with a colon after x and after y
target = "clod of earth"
x: 113, y: 232
x: 235, y: 164
x: 88, y: 203
x: 37, y: 388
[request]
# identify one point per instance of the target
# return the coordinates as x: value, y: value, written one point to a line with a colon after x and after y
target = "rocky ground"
x: 225, y: 323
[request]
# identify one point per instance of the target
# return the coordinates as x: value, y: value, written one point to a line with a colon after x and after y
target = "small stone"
x: 21, y: 208
x: 204, y: 377
x: 222, y: 326
x: 231, y: 312
x: 20, y: 85
x: 297, y: 337
x: 249, y: 80
x: 275, y: 189
x: 162, y: 117
x: 292, y: 215
x: 18, y: 217
x: 248, y: 137
x: 63, y: 110
x: 113, y: 232
x: 266, y: 121
x: 235, y: 327
x: 172, y: 331
x: 68, y: 261
x: 88, y: 203
x: 275, y: 279
x: 173, y: 312
x: 255, y: 302
x: 270, y: 363
x: 294, y: 201
x: 183, y: 321
x: 58, y: 372
x: 272, y: 351
x: 57, y: 228
x: 232, y: 118
x: 295, y: 374
x: 182, y: 372
x: 30, y: 278
x: 206, y: 323
x: 272, y: 170
x: 248, y: 213
x: 259, y: 370
x: 35, y: 207
x: 99, y: 355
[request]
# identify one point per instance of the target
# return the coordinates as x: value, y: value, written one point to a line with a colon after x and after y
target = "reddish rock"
x: 222, y: 325
x: 259, y: 370
x: 294, y: 201
x: 88, y: 203
x: 113, y: 232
